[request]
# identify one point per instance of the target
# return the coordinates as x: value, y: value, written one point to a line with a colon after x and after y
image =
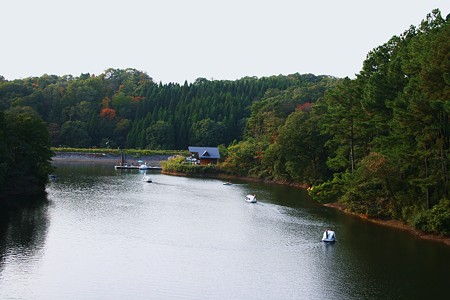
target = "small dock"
x: 141, y: 166
x: 126, y: 167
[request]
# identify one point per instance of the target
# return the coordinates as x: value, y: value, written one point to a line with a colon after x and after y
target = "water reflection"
x: 23, y: 231
x: 111, y: 236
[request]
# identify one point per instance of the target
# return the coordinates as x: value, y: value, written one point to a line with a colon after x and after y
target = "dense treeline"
x: 378, y: 143
x: 26, y: 155
x: 126, y: 109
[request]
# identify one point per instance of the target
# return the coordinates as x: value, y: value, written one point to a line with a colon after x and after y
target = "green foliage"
x: 436, y: 220
x: 329, y: 191
x: 120, y: 105
x: 26, y: 154
x: 370, y: 189
x: 380, y: 143
x: 75, y: 133
x: 223, y: 150
x: 274, y: 145
x: 345, y: 122
x: 242, y: 158
x: 178, y: 164
x: 301, y: 147
x: 207, y: 133
x: 385, y: 134
x: 6, y: 161
x: 160, y: 135
x: 273, y: 164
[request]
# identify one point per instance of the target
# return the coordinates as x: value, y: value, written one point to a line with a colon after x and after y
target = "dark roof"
x: 205, y: 152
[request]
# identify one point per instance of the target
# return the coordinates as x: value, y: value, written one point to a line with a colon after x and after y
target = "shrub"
x: 329, y: 191
x: 435, y: 220
x: 178, y: 164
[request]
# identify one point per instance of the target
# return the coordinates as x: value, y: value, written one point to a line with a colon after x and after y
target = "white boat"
x: 146, y: 178
x: 329, y: 236
x: 227, y: 183
x: 143, y: 167
x: 250, y: 198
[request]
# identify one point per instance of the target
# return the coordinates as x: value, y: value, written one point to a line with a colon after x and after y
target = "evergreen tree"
x: 25, y: 146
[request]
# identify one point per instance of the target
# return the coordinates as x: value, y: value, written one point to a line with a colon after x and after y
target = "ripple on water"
x: 111, y: 236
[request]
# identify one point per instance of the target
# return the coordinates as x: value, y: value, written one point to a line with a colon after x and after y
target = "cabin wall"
x: 207, y: 161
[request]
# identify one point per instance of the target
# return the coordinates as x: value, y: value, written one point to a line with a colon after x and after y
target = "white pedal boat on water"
x: 143, y: 167
x: 146, y: 178
x: 329, y: 236
x: 250, y: 198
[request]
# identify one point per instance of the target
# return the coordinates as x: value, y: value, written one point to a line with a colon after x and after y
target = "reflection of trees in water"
x: 23, y: 229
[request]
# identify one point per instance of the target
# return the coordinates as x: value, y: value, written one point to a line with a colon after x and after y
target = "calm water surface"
x: 105, y: 234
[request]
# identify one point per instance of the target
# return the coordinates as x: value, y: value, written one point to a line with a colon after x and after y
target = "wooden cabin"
x: 206, y: 155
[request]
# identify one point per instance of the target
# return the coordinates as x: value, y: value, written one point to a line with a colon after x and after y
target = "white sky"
x: 176, y: 40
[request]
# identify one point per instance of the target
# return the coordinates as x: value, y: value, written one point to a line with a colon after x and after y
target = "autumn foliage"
x: 108, y: 113
x: 307, y: 106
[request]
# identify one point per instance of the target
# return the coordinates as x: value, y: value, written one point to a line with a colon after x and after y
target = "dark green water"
x: 105, y: 234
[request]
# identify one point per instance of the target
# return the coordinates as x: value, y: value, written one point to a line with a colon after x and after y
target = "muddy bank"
x: 394, y: 224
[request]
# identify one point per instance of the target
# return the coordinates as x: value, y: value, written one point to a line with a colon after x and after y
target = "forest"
x: 126, y: 109
x: 378, y: 143
x: 26, y: 155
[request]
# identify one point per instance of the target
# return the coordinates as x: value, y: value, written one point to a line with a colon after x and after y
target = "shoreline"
x: 230, y: 177
x: 389, y: 223
x: 150, y: 160
x: 155, y: 160
x: 394, y: 224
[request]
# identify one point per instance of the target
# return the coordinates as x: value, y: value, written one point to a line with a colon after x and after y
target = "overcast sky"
x: 176, y: 40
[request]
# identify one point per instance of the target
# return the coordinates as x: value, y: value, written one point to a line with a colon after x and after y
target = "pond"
x: 105, y: 234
